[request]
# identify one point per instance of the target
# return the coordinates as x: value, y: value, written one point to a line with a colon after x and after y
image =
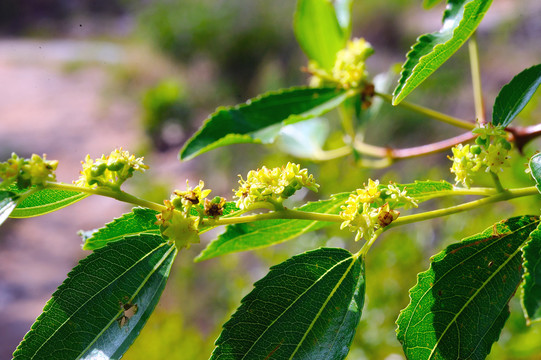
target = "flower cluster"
x: 110, y: 171
x: 273, y: 185
x: 27, y: 172
x: 178, y: 227
x: 491, y: 152
x: 184, y: 200
x: 349, y: 67
x: 373, y: 208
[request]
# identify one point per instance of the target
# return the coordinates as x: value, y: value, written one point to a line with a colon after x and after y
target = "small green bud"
x: 177, y: 203
x: 216, y: 200
x: 475, y: 149
x: 288, y: 191
x: 92, y: 182
x: 481, y: 141
x: 98, y: 169
x: 117, y: 165
x: 505, y: 144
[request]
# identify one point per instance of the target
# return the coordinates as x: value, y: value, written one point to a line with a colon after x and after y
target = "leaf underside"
x: 84, y: 318
x: 460, y: 304
x: 246, y: 123
x: 305, y: 308
x: 531, y: 287
x: 258, y: 234
x: 535, y: 169
x: 460, y: 20
x: 514, y: 96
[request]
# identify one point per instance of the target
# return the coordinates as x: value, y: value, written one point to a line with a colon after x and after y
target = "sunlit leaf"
x: 428, y: 4
x: 45, y: 201
x: 535, y: 169
x: 260, y: 119
x: 305, y: 308
x: 343, y: 15
x: 103, y: 304
x: 460, y: 20
x: 514, y: 96
x: 459, y: 306
x: 531, y: 287
x: 136, y: 222
x: 258, y: 234
x: 318, y: 31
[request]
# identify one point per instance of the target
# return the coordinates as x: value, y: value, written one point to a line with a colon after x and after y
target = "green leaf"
x: 8, y: 202
x: 247, y: 123
x: 318, y: 31
x: 45, y: 201
x: 428, y: 4
x: 535, y: 169
x: 423, y: 190
x: 305, y: 308
x: 460, y: 304
x: 258, y: 234
x: 138, y: 221
x: 531, y: 287
x: 343, y: 15
x: 84, y: 319
x: 460, y: 20
x: 514, y: 96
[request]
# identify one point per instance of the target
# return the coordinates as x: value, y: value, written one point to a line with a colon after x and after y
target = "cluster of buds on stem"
x: 272, y: 185
x: 27, y: 172
x: 373, y: 208
x: 349, y: 70
x: 490, y: 152
x: 110, y: 171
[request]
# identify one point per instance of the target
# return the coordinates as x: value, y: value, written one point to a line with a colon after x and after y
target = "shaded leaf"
x: 8, y: 202
x: 460, y: 20
x: 305, y: 308
x: 247, y: 123
x: 318, y: 31
x: 85, y: 317
x: 514, y: 96
x: 258, y: 234
x: 136, y: 222
x: 531, y: 287
x: 535, y: 169
x: 44, y: 201
x: 460, y: 304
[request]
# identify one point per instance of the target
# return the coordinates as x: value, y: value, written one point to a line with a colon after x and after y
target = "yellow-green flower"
x: 465, y: 164
x: 273, y: 185
x: 111, y: 170
x: 27, y: 172
x: 190, y: 196
x: 349, y: 68
x: 178, y: 227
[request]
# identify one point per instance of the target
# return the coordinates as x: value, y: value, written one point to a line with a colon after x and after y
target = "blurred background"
x: 88, y: 76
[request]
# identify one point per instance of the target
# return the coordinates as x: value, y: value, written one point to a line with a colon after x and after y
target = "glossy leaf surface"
x: 45, y: 201
x: 253, y: 121
x: 101, y: 307
x: 514, y: 96
x: 258, y: 234
x: 136, y: 222
x: 8, y: 202
x: 459, y: 306
x: 460, y: 20
x: 318, y: 31
x: 305, y: 308
x: 343, y: 15
x: 531, y: 287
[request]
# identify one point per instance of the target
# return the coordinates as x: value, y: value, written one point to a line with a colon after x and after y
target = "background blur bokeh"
x: 88, y: 76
